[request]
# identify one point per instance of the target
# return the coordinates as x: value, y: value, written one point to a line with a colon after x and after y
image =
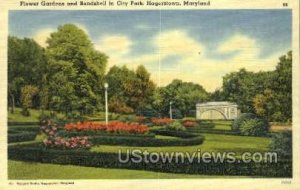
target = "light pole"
x: 106, y: 104
x: 171, y: 110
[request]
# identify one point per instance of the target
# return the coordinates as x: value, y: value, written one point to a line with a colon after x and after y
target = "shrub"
x: 189, y: 123
x: 176, y: 114
x: 20, y: 136
x: 282, y: 144
x: 146, y: 142
x: 114, y: 127
x: 118, y: 106
x: 161, y: 121
x: 91, y: 133
x: 254, y: 127
x: 177, y: 126
x: 240, y: 119
x: 127, y: 118
x: 147, y: 112
x: 140, y: 119
x: 181, y: 134
x: 46, y: 116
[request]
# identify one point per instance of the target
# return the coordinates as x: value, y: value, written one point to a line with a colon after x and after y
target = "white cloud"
x: 42, y: 35
x: 177, y: 42
x: 192, y: 67
x: 114, y: 45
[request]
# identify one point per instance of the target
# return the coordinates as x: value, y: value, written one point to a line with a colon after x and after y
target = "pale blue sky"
x: 269, y: 30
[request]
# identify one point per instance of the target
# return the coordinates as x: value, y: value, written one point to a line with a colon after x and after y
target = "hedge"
x: 64, y: 133
x: 174, y: 133
x: 145, y: 142
x: 37, y: 153
x: 19, y: 136
x: 24, y: 128
x: 214, y: 131
x: 23, y: 123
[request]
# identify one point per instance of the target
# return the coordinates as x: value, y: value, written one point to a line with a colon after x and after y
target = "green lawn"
x: 28, y: 170
x: 34, y: 115
x: 212, y: 143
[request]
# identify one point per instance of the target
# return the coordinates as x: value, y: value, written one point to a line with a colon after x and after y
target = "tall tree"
x: 183, y: 95
x: 26, y: 65
x: 133, y: 88
x: 75, y: 64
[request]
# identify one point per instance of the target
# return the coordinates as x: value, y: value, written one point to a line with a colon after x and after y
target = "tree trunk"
x: 12, y: 103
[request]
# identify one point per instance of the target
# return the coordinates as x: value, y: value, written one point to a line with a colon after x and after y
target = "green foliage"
x: 130, y: 89
x: 254, y: 127
x: 127, y: 118
x: 282, y: 144
x: 27, y: 63
x: 76, y: 71
x: 27, y: 94
x: 21, y: 133
x: 21, y: 136
x: 176, y: 125
x: 268, y: 94
x: 63, y: 133
x: 148, y: 112
x: 241, y: 119
x: 118, y: 106
x: 184, y: 96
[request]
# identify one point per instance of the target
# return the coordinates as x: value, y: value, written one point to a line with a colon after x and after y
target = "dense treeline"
x: 268, y: 94
x: 69, y: 75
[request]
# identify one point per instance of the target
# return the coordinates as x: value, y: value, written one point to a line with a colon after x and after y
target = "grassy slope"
x: 28, y: 170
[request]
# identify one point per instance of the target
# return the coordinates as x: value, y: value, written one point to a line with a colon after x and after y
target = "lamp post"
x: 171, y: 110
x: 106, y: 104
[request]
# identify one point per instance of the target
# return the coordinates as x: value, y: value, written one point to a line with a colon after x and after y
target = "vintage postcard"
x: 150, y: 94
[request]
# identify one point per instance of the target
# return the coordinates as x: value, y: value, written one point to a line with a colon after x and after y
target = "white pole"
x: 106, y: 104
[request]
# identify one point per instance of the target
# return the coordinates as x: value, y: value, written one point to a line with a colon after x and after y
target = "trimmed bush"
x: 24, y: 128
x: 64, y: 133
x: 19, y: 136
x: 181, y: 134
x: 177, y: 126
x: 23, y: 123
x: 240, y: 119
x: 37, y: 153
x: 282, y: 144
x: 214, y: 131
x: 254, y: 127
x: 145, y: 142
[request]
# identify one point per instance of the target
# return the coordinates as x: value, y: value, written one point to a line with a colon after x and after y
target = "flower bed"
x: 50, y: 129
x: 73, y: 142
x: 113, y: 127
x: 161, y: 121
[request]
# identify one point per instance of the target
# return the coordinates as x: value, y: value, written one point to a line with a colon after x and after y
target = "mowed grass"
x: 34, y: 115
x: 28, y: 170
x: 212, y: 143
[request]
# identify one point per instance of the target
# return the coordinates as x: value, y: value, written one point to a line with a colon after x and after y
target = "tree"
x: 282, y: 87
x: 184, y: 96
x: 27, y: 63
x: 134, y: 88
x: 76, y: 71
x: 27, y: 93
